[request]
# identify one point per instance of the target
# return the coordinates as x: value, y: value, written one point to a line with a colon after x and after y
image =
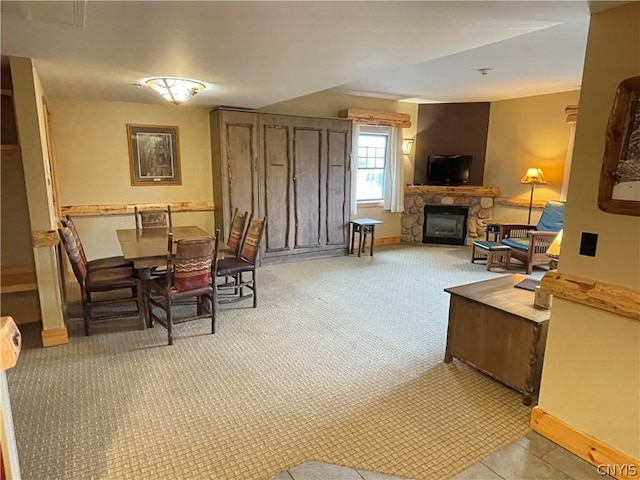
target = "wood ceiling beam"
x: 377, y: 118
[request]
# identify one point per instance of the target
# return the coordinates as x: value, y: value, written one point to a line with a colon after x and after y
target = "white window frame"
x: 379, y: 131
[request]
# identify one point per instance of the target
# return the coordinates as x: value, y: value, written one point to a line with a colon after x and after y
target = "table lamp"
x: 554, y: 250
x: 534, y: 176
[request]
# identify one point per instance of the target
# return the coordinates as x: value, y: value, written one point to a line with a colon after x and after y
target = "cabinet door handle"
x: 295, y: 178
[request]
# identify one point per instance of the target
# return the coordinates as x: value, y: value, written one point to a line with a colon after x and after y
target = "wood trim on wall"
x: 590, y: 449
x: 125, y: 208
x: 379, y: 241
x: 519, y: 202
x: 604, y: 296
x: 44, y: 238
x: 377, y: 118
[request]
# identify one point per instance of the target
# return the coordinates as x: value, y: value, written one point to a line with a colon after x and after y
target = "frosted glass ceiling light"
x: 175, y: 90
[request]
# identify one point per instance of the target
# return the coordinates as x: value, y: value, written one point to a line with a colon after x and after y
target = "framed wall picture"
x: 620, y: 175
x: 154, y: 155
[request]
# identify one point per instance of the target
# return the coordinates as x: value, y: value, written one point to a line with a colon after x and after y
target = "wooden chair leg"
x: 169, y: 320
x: 86, y: 312
x: 138, y: 292
x: 255, y: 289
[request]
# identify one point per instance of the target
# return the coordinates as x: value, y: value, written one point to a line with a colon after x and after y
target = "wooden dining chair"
x: 245, y: 263
x: 98, y: 263
x: 238, y: 225
x: 190, y: 274
x: 153, y: 218
x: 102, y: 281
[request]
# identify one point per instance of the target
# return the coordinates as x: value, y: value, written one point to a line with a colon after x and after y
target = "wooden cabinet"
x: 494, y: 327
x: 294, y: 170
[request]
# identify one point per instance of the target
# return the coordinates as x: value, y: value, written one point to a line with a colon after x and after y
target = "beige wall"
x: 527, y: 132
x: 16, y: 229
x: 92, y: 159
x: 591, y: 376
x: 327, y: 104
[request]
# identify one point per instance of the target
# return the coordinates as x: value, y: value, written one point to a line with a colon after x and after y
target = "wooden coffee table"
x: 495, y: 328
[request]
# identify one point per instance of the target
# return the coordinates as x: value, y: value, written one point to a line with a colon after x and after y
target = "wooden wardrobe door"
x: 235, y: 177
x: 308, y: 185
x: 338, y: 184
x: 276, y: 163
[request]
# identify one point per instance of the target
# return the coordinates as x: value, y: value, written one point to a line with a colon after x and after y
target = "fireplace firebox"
x: 445, y: 224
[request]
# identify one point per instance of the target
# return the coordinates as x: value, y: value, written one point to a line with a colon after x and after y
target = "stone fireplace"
x: 445, y: 224
x: 446, y: 227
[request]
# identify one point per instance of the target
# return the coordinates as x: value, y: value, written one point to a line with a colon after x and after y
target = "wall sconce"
x: 407, y: 146
x: 533, y: 176
x: 175, y: 90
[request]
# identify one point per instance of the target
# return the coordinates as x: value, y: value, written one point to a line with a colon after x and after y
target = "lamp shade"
x: 534, y: 175
x: 554, y: 249
x: 175, y: 90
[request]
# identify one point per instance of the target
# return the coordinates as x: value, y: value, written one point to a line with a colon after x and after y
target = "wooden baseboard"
x: 54, y: 336
x: 380, y: 241
x: 608, y: 460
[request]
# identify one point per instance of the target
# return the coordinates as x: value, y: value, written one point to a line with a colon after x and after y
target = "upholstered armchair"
x: 529, y: 243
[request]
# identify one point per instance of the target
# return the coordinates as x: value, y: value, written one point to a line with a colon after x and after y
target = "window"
x: 372, y: 152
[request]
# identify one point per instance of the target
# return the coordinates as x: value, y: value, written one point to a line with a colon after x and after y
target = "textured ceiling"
x: 253, y: 54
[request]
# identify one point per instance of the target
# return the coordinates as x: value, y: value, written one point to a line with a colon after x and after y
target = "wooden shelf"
x: 463, y: 190
x: 18, y: 278
x: 10, y: 152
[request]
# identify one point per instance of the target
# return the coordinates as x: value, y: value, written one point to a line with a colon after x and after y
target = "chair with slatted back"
x: 100, y: 282
x: 146, y: 219
x: 238, y: 225
x: 243, y: 264
x: 98, y: 263
x: 190, y: 274
x: 529, y: 243
x: 153, y: 218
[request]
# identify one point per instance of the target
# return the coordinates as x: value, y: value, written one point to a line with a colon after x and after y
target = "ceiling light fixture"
x: 485, y: 71
x: 175, y: 90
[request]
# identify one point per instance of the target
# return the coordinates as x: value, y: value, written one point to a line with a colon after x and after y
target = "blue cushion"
x: 552, y: 217
x: 521, y: 244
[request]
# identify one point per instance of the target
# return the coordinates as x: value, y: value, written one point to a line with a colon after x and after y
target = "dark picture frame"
x: 620, y: 176
x: 154, y: 154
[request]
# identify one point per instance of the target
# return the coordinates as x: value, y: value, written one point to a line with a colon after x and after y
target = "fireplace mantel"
x: 463, y: 190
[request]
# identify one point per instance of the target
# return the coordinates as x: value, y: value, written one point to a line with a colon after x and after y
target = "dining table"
x: 147, y: 247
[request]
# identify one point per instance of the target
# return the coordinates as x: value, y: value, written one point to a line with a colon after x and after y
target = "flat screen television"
x: 448, y: 169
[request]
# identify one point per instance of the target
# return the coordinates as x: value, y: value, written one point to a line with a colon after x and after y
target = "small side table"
x: 493, y: 229
x: 363, y: 226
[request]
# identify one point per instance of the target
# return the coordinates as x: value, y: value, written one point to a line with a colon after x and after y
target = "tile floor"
x: 531, y: 457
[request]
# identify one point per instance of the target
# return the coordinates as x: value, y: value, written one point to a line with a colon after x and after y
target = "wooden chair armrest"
x: 538, y: 233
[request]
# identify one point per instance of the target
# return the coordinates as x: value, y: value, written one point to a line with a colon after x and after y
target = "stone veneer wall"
x: 480, y: 210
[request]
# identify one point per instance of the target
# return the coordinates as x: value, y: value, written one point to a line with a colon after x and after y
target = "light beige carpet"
x: 341, y: 362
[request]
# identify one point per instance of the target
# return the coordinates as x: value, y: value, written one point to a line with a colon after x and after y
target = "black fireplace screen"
x: 445, y: 224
